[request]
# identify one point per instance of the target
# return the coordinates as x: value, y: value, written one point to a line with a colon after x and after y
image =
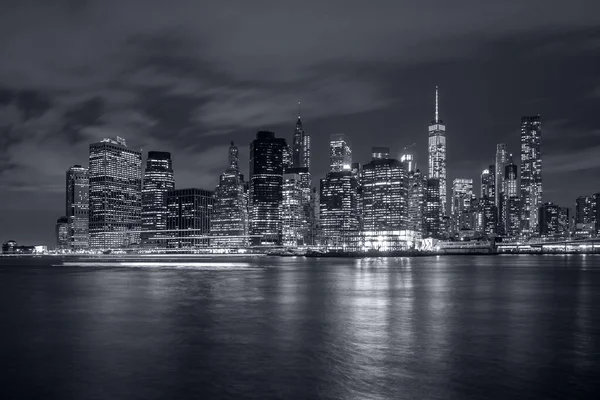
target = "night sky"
x: 190, y: 76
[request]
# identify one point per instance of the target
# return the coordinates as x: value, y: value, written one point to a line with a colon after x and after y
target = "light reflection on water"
x: 295, y: 328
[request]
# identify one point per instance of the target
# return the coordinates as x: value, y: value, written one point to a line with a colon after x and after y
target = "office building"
x: 554, y: 221
x: 437, y: 153
x: 531, y: 174
x: 300, y: 147
x: 229, y: 219
x: 294, y: 222
x: 384, y: 185
x: 115, y: 196
x: 340, y: 153
x: 77, y: 207
x: 158, y: 181
x: 409, y: 162
x: 339, y: 216
x: 511, y: 210
x: 416, y: 201
x: 267, y: 155
x: 488, y: 183
x: 462, y: 207
x: 63, y: 236
x: 433, y: 210
x: 188, y: 221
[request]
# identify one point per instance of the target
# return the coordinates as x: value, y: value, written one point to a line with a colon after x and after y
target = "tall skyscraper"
x: 384, y: 184
x: 501, y: 160
x: 158, y: 181
x: 229, y: 220
x: 340, y: 154
x: 409, y: 162
x: 115, y: 194
x: 77, y: 211
x: 294, y: 224
x: 462, y: 205
x: 416, y: 201
x: 62, y: 233
x: 554, y: 220
x: 266, y: 181
x: 300, y: 146
x: 511, y: 202
x: 432, y: 215
x: 437, y: 153
x: 488, y: 184
x: 190, y: 211
x: 531, y: 174
x: 339, y: 211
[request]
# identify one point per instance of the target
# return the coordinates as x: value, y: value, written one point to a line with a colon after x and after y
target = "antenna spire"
x: 298, y: 110
x: 437, y: 115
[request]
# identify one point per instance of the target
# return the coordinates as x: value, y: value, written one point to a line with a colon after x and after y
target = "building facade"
x: 158, y: 181
x: 554, y: 221
x: 77, y: 207
x: 531, y: 174
x: 340, y: 153
x: 416, y: 202
x: 437, y: 153
x: 229, y: 219
x: 384, y: 185
x: 267, y: 155
x: 339, y: 215
x: 115, y: 195
x: 511, y: 210
x: 432, y: 220
x: 63, y: 236
x: 188, y: 221
x: 294, y: 223
x: 462, y: 207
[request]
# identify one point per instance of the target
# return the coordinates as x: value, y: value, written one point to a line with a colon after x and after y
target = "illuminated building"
x: 77, y: 207
x: 587, y: 216
x: 294, y: 222
x: 511, y: 202
x: 433, y: 209
x: 501, y: 160
x: 188, y: 221
x: 339, y: 216
x: 531, y: 174
x: 340, y: 154
x: 409, y: 162
x: 266, y: 180
x: 62, y: 233
x: 115, y: 197
x: 554, y: 221
x: 384, y: 184
x: 300, y: 147
x: 488, y: 183
x: 462, y: 206
x: 437, y: 153
x: 301, y: 168
x: 229, y: 220
x: 416, y: 201
x: 158, y: 180
x: 9, y: 247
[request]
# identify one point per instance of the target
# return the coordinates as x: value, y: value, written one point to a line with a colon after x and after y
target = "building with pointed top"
x: 531, y: 174
x: 437, y: 153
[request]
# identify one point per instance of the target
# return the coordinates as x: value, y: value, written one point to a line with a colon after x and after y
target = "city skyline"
x: 172, y: 99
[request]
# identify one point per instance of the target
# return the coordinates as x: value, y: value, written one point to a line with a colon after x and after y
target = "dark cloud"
x: 188, y: 77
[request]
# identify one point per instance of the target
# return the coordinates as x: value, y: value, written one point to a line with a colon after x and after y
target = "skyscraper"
x: 437, y: 153
x: 77, y: 207
x: 554, y: 220
x: 266, y: 180
x: 62, y: 233
x: 339, y: 211
x: 300, y: 146
x: 501, y: 160
x: 294, y: 224
x: 384, y: 184
x: 189, y: 217
x: 488, y: 183
x: 340, y: 154
x: 158, y: 181
x: 531, y: 174
x: 462, y: 205
x: 432, y: 215
x: 416, y: 201
x: 511, y: 202
x: 409, y: 162
x: 115, y: 194
x: 229, y: 220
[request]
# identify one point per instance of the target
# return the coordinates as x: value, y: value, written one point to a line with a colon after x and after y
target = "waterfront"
x: 511, y: 326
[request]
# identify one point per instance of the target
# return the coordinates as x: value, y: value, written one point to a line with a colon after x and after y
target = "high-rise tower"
x: 158, y: 180
x: 115, y: 194
x: 77, y: 211
x: 437, y: 152
x: 531, y: 174
x: 300, y: 145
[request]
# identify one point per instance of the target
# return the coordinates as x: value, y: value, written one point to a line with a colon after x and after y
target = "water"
x: 505, y: 327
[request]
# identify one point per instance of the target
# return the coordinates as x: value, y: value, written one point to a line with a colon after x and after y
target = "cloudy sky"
x: 189, y: 76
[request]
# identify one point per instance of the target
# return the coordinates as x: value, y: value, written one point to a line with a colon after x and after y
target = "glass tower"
x: 158, y: 180
x: 437, y: 153
x: 339, y: 211
x: 340, y: 154
x: 189, y: 217
x: 531, y: 174
x: 77, y: 211
x: 115, y: 195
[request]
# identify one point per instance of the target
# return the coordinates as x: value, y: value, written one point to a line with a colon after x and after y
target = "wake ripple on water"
x: 185, y: 265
